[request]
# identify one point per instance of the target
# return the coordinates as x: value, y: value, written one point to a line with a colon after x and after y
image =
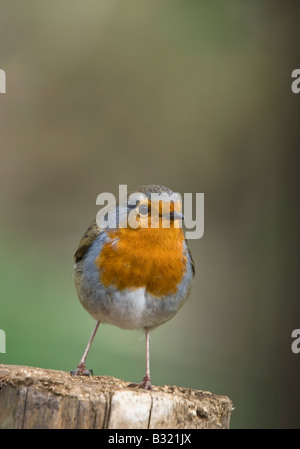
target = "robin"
x: 135, y: 277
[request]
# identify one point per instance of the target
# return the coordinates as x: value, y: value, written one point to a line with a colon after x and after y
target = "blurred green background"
x: 195, y: 95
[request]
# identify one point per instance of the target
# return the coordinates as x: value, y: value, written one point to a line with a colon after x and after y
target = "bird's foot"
x: 81, y: 371
x: 146, y: 384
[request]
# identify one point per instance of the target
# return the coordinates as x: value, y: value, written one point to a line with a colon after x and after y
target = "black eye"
x: 143, y: 209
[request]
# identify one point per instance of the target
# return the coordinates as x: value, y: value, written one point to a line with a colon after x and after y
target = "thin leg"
x: 81, y: 368
x: 147, y: 357
x: 146, y: 382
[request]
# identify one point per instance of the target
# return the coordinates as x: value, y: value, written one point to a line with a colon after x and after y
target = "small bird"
x: 135, y: 277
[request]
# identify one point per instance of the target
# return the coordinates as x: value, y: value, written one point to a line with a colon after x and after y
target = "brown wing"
x: 192, y: 260
x: 91, y: 234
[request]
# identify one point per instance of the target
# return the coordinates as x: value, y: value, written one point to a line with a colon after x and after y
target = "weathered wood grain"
x: 42, y: 398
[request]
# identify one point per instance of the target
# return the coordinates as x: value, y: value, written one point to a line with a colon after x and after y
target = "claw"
x: 81, y: 371
x: 146, y: 384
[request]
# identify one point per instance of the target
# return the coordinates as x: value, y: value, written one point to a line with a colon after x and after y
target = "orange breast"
x: 151, y: 258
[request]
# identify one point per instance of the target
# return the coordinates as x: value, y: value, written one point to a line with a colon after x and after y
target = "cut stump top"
x: 45, y: 398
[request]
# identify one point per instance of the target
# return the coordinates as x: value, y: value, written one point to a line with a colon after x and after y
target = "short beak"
x: 176, y: 215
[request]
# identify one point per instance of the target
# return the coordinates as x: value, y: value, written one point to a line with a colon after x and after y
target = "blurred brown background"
x: 195, y: 95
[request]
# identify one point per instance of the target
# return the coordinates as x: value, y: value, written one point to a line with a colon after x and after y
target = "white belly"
x: 126, y: 309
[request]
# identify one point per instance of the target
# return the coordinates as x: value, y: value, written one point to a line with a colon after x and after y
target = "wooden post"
x: 43, y: 398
